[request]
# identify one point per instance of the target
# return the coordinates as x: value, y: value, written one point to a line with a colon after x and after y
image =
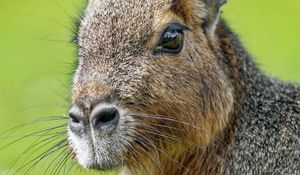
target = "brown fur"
x: 194, y: 86
x: 208, y: 158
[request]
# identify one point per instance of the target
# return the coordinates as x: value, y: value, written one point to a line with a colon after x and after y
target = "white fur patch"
x: 95, y: 150
x: 83, y: 148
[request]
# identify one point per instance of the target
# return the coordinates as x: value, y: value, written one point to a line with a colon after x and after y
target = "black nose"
x: 105, y: 115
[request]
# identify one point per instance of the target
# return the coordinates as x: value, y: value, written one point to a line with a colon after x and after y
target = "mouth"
x: 100, y: 144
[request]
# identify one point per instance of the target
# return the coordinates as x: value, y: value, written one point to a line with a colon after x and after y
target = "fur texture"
x: 206, y: 110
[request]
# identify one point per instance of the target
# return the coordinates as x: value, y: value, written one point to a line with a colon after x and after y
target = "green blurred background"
x: 36, y: 57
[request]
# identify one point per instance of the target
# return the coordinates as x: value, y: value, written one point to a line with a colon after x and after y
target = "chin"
x: 104, y: 154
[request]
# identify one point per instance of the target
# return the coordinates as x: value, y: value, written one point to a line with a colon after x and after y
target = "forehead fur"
x: 118, y: 24
x: 112, y: 26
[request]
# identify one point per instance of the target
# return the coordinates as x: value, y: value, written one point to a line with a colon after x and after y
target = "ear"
x: 213, y: 14
x: 207, y: 10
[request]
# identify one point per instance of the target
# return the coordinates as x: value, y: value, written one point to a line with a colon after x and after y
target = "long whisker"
x: 168, y: 118
x: 64, y: 163
x: 155, y: 126
x: 31, y: 134
x: 153, y: 146
x: 172, y: 119
x: 46, y: 119
x: 63, y: 9
x: 138, y: 135
x: 40, y: 157
x: 60, y: 161
x: 54, y: 41
x: 75, y: 6
x: 34, y: 145
x: 63, y: 84
x: 157, y: 164
x: 142, y: 164
x: 26, y: 108
x: 174, y: 160
x: 178, y: 102
x: 46, y: 156
x: 53, y: 21
x: 172, y: 137
x: 37, y: 133
x: 134, y: 156
x: 70, y: 168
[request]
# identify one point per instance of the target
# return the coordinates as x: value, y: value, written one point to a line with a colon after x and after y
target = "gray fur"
x: 116, y: 66
x: 268, y: 133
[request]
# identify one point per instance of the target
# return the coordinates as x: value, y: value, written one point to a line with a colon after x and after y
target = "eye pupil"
x: 171, y: 41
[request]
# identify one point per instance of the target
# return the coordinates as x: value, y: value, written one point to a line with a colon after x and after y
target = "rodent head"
x: 146, y: 73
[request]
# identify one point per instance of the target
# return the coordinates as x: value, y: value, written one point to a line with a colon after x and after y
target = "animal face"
x: 147, y: 81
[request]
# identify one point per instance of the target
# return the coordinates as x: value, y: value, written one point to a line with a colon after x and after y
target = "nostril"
x: 74, y: 118
x: 105, y: 115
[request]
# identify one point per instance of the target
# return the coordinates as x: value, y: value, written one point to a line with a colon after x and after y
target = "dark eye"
x: 171, y: 41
